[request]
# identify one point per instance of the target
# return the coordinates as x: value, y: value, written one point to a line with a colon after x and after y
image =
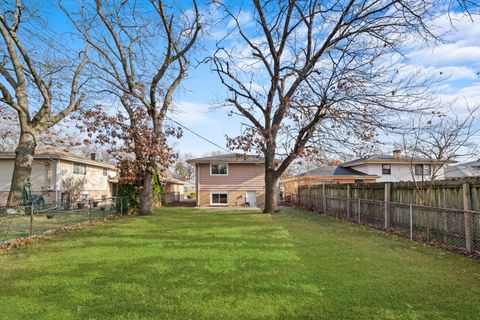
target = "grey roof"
x: 59, y: 154
x: 463, y: 170
x: 172, y: 180
x: 230, y: 158
x: 387, y: 158
x: 333, y: 171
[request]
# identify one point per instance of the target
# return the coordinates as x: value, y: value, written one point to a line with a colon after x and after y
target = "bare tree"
x: 141, y: 57
x: 441, y: 140
x: 304, y: 73
x: 182, y: 170
x: 73, y: 188
x: 32, y: 84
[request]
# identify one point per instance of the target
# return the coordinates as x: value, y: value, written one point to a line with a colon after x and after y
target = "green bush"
x: 157, y: 189
x: 129, y: 194
x: 191, y: 195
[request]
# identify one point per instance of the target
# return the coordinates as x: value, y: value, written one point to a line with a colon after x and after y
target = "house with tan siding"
x: 230, y: 180
x: 52, y: 166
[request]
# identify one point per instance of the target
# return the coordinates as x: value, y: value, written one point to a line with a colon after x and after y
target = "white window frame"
x: 429, y: 166
x: 424, y: 172
x: 85, y: 196
x: 218, y: 174
x: 218, y: 204
x: 419, y: 166
x: 389, y: 168
x: 79, y: 164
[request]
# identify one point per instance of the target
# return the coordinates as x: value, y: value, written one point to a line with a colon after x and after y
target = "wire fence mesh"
x: 27, y: 221
x: 453, y: 229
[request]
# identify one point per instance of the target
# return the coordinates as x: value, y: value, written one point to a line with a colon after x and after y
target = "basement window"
x: 219, y: 198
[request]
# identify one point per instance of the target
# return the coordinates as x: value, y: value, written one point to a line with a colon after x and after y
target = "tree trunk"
x: 145, y: 195
x: 22, y: 167
x: 270, y: 190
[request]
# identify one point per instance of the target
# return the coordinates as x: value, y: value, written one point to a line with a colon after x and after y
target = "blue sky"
x: 456, y: 62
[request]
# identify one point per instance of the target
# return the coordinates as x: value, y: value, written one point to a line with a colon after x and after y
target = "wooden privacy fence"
x: 453, y: 221
x: 441, y: 193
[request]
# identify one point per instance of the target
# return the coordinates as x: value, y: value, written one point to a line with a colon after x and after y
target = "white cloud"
x: 244, y: 19
x: 191, y: 113
x: 456, y: 62
x: 460, y: 46
x: 457, y: 26
x: 461, y: 100
x: 448, y: 54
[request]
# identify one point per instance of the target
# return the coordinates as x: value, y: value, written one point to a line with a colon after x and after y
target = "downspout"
x: 57, y: 183
x: 197, y: 165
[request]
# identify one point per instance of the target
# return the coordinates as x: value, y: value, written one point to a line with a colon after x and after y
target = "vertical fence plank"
x: 469, y: 219
x: 324, y: 199
x: 358, y: 210
x: 89, y: 204
x: 348, y: 201
x: 388, y: 193
x: 411, y: 221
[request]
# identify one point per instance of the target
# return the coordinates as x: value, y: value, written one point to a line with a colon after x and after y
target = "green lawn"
x: 190, y: 264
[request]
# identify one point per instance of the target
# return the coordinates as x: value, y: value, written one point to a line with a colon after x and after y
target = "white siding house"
x: 52, y: 166
x: 395, y: 167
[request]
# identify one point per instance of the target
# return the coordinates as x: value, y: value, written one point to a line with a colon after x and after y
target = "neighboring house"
x: 323, y: 175
x: 463, y: 170
x: 52, y: 166
x: 395, y: 167
x: 173, y: 189
x: 230, y: 180
x: 171, y: 185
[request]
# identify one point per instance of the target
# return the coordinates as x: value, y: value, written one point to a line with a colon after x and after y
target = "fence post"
x: 469, y: 219
x: 324, y: 199
x: 30, y: 229
x: 388, y: 190
x: 348, y: 201
x: 309, y: 198
x: 89, y: 204
x: 411, y: 221
x: 358, y: 210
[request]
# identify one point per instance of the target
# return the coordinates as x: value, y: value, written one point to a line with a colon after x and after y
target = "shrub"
x: 130, y: 195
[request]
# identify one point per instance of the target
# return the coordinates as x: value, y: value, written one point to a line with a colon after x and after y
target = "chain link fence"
x: 27, y: 221
x: 454, y: 229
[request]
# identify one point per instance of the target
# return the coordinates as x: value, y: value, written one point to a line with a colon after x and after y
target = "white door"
x: 252, y: 198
